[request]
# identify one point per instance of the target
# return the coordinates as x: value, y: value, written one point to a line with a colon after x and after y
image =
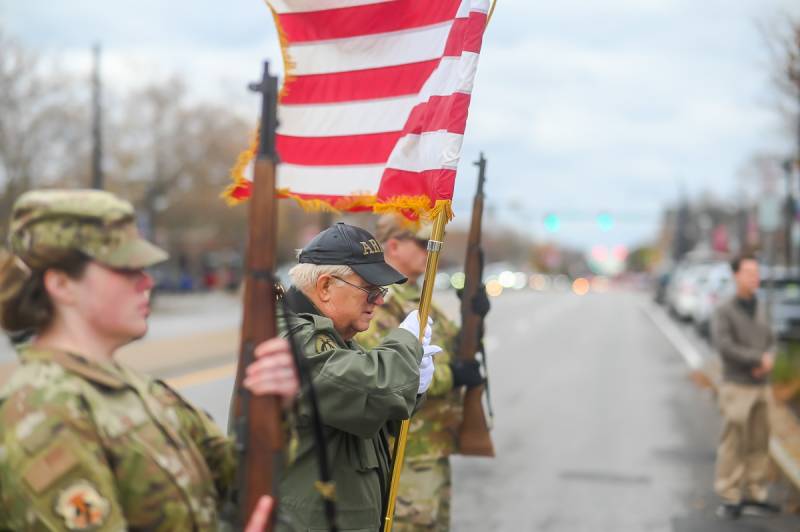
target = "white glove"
x: 426, y: 367
x: 411, y: 324
x: 425, y: 373
x: 430, y: 350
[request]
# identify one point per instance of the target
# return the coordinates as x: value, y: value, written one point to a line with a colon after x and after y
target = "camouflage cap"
x: 95, y: 222
x: 395, y: 226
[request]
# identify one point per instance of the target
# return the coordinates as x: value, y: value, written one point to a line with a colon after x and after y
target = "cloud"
x: 595, y: 106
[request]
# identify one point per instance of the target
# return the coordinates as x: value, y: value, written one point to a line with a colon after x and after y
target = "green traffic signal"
x: 605, y: 221
x: 552, y: 223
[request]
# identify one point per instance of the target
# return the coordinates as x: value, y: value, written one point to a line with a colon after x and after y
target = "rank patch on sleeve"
x: 81, y: 506
x: 323, y: 343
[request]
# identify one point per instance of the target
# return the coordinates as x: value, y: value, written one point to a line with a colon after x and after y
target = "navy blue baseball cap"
x: 343, y: 244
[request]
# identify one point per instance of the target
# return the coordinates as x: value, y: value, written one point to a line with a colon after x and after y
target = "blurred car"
x: 683, y: 289
x: 785, y: 308
x: 661, y: 284
x: 714, y: 286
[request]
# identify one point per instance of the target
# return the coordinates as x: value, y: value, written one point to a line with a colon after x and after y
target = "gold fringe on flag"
x: 288, y: 63
x: 441, y: 205
x: 239, y: 190
x: 307, y: 204
x: 411, y: 207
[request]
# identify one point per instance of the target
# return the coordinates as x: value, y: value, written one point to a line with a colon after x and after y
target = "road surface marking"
x: 202, y: 376
x: 678, y: 340
x: 785, y: 460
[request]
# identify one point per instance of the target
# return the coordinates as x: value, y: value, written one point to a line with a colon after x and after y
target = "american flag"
x: 374, y: 102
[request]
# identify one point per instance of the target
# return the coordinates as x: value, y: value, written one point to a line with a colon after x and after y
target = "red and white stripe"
x: 377, y: 94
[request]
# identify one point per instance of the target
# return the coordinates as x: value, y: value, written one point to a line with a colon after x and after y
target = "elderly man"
x: 337, y: 284
x: 423, y: 501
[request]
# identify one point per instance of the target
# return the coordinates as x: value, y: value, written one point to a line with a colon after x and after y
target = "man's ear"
x: 323, y: 287
x: 390, y: 246
x: 59, y: 286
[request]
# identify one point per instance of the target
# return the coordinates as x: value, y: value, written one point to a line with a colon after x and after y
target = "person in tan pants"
x: 745, y: 344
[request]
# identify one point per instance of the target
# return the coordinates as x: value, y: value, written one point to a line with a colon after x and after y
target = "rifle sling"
x: 325, y: 485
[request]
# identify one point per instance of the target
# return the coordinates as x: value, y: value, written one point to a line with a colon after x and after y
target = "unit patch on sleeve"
x: 324, y: 343
x: 81, y: 506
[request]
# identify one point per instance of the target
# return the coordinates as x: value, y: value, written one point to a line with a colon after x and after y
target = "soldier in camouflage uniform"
x: 337, y: 286
x: 423, y: 501
x: 86, y: 443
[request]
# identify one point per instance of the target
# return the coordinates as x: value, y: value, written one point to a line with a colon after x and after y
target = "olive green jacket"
x: 359, y: 393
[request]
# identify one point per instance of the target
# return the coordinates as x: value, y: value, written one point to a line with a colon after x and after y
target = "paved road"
x: 177, y: 316
x: 598, y: 427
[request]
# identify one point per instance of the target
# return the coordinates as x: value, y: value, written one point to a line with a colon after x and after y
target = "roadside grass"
x: 786, y: 374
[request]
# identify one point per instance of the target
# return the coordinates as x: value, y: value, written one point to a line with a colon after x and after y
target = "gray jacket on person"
x: 741, y: 340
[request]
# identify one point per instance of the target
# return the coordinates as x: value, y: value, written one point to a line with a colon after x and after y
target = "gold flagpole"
x: 434, y: 247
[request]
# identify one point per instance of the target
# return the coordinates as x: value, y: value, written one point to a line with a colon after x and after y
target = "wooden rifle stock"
x: 259, y: 430
x: 474, y: 438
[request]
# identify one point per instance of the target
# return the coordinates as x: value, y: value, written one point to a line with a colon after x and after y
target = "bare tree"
x: 167, y: 152
x: 40, y: 123
x: 171, y: 156
x: 783, y: 42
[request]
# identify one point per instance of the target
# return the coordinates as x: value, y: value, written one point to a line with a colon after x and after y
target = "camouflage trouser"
x: 423, y: 499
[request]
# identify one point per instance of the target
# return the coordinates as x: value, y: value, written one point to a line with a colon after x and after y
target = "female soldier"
x: 86, y: 443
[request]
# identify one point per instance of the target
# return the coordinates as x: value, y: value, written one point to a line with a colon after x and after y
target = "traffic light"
x: 552, y: 223
x: 605, y: 221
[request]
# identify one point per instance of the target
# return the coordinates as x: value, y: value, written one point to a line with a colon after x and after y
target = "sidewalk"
x: 784, y: 444
x: 706, y: 371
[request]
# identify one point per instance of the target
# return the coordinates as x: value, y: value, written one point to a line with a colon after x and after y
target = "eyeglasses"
x: 372, y: 293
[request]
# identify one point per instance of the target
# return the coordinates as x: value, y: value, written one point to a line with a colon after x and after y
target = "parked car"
x: 683, y: 289
x: 785, y: 309
x: 714, y: 286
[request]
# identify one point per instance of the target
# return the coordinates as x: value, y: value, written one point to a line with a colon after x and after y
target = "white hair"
x: 305, y: 276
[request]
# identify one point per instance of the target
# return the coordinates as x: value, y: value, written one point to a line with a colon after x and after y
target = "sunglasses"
x: 372, y: 293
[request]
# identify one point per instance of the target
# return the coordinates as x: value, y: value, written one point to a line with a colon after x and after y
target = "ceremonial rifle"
x: 258, y: 420
x: 474, y: 438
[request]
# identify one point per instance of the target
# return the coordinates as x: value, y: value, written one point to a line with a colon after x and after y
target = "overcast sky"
x: 581, y: 106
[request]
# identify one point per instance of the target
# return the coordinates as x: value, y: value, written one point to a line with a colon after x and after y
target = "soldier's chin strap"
x: 325, y: 485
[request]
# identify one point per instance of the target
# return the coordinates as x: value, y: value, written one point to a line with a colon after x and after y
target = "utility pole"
x: 789, y: 212
x: 97, y: 123
x: 681, y: 244
x: 790, y: 166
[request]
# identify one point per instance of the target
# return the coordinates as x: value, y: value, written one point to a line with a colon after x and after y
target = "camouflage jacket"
x: 95, y: 446
x: 433, y: 432
x: 360, y: 392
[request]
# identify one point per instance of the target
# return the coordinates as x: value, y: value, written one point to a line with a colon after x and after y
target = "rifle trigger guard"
x: 434, y: 245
